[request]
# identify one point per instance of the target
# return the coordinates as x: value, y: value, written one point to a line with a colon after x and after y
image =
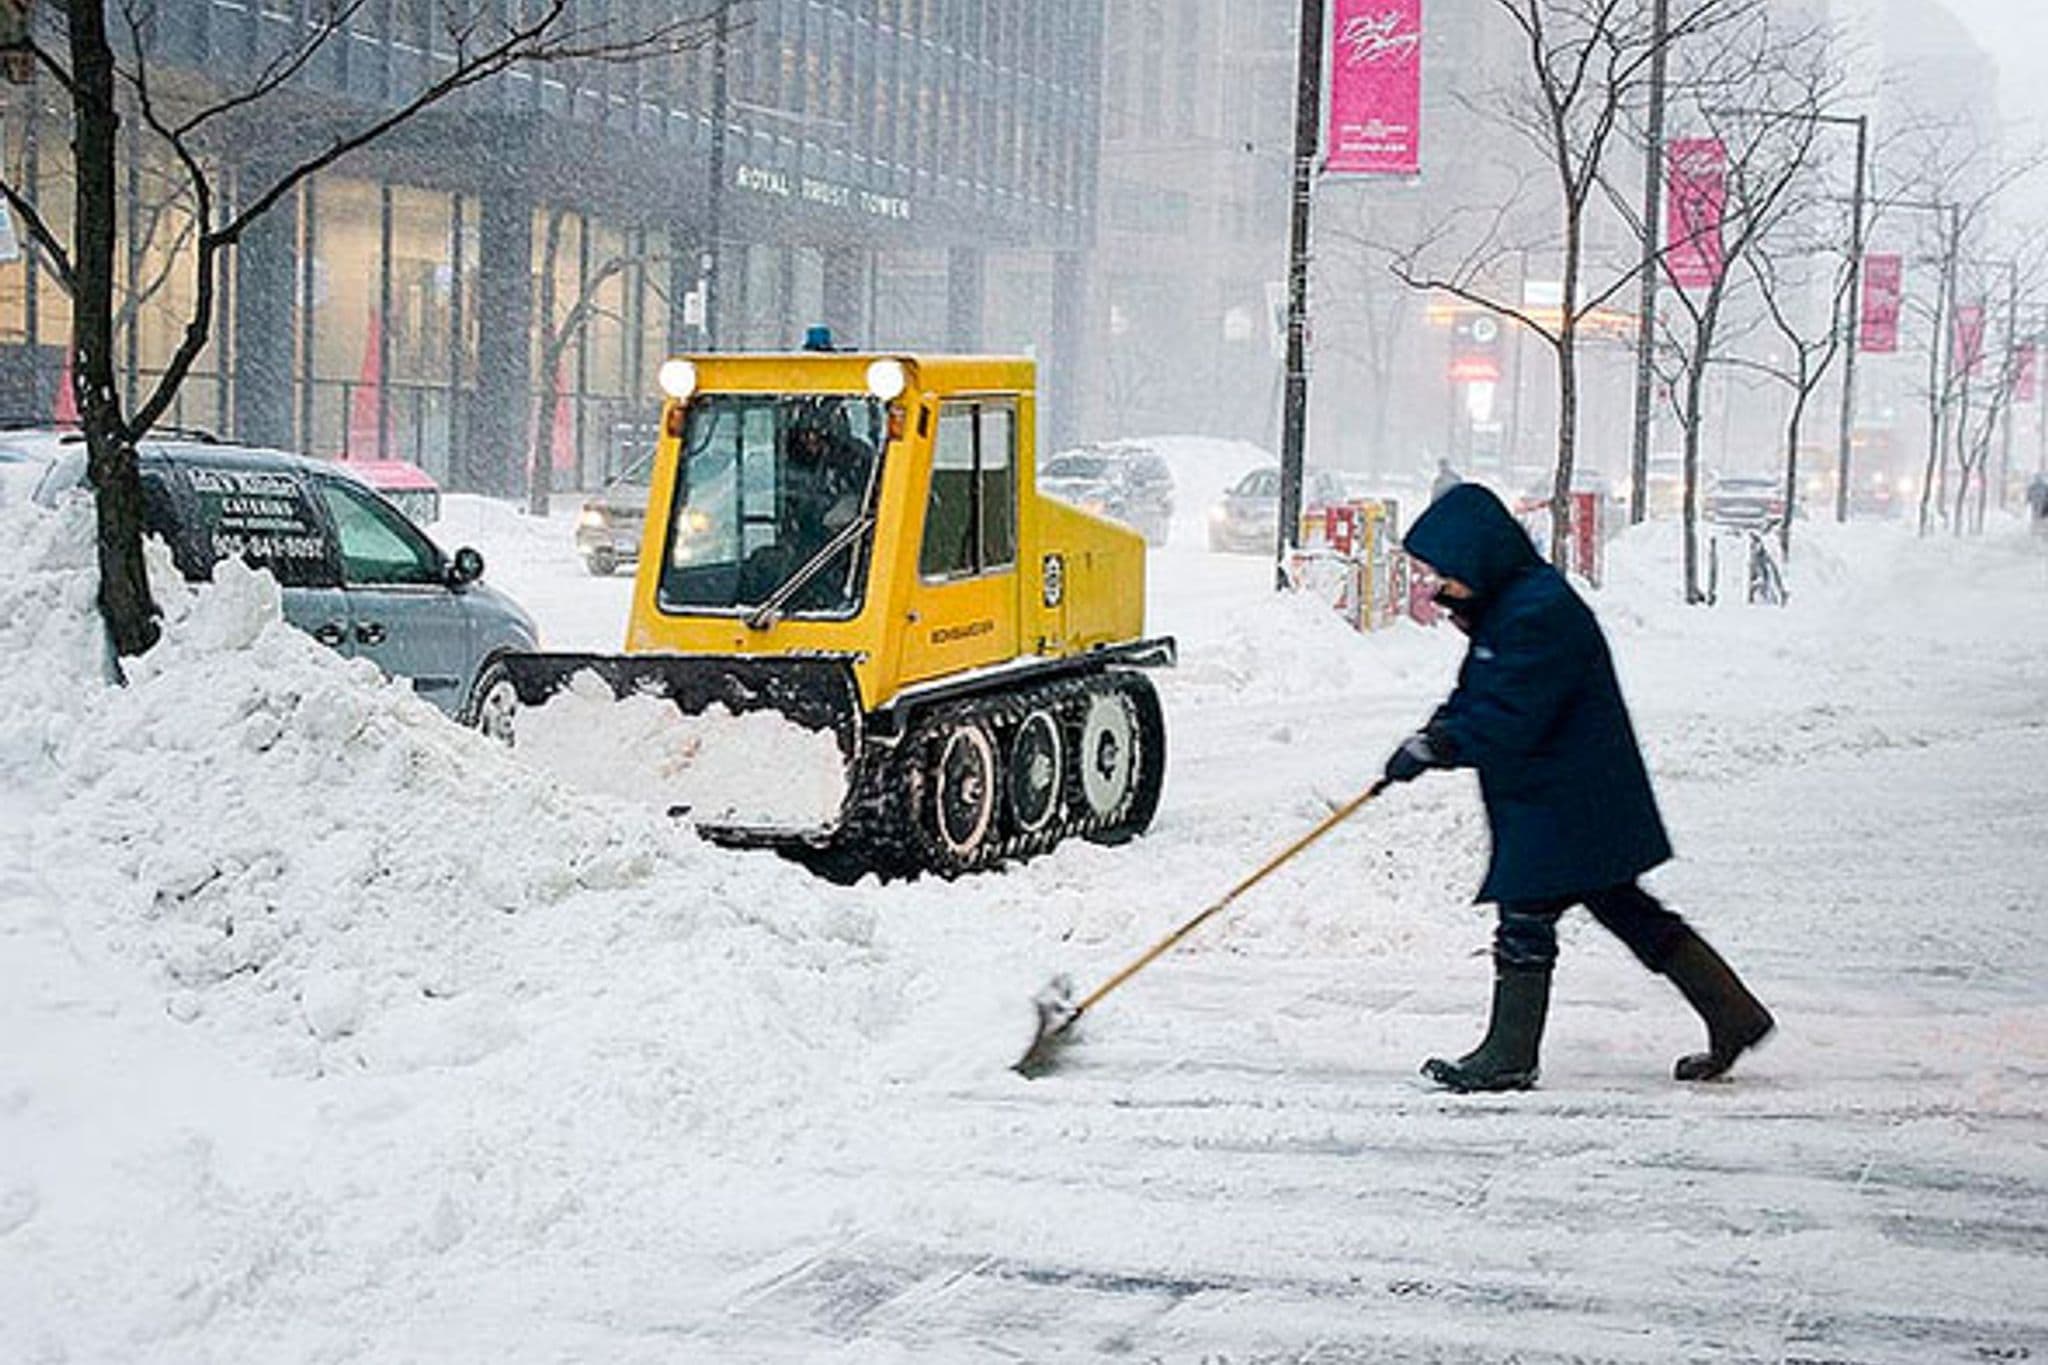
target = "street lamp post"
x: 1646, y: 316
x: 1851, y: 325
x: 714, y: 206
x: 2009, y: 376
x: 1294, y: 409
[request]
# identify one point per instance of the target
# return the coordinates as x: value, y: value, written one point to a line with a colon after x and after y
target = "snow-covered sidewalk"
x: 334, y: 1033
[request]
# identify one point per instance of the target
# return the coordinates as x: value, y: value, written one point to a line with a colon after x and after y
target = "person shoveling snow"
x: 1538, y: 712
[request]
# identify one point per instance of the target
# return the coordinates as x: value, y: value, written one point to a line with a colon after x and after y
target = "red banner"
x: 2023, y: 381
x: 1375, y: 88
x: 1884, y: 279
x: 1696, y: 191
x: 1967, y: 354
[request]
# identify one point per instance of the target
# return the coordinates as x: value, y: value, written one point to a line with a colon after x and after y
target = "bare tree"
x: 1960, y: 182
x: 1982, y: 411
x: 112, y: 76
x: 1754, y: 96
x: 1586, y: 62
x: 1810, y: 348
x: 562, y: 322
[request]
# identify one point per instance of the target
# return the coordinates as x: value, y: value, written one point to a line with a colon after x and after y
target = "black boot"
x: 1736, y: 1020
x: 1507, y: 1059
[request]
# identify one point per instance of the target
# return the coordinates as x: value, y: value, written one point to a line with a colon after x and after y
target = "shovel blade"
x: 1056, y: 1015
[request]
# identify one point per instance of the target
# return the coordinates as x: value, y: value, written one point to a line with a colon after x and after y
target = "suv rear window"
x: 265, y: 517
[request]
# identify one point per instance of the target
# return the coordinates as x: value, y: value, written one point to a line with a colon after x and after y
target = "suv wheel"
x: 602, y: 562
x: 493, y: 703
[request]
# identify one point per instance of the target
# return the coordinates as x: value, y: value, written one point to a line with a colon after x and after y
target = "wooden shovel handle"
x: 1330, y: 822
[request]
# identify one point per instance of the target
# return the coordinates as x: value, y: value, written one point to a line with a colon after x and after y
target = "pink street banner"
x: 1968, y: 355
x: 1375, y: 88
x: 2024, y: 382
x: 1695, y: 191
x: 1884, y: 279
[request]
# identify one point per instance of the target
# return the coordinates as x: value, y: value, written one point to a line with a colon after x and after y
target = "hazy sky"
x: 2016, y: 33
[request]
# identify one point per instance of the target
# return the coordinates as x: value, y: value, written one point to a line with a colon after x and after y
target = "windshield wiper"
x: 770, y: 611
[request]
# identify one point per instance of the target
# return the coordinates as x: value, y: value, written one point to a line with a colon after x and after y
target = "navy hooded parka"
x: 1539, y: 713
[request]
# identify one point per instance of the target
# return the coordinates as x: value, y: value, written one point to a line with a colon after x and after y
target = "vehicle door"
x: 404, y: 615
x: 264, y: 517
x: 966, y: 612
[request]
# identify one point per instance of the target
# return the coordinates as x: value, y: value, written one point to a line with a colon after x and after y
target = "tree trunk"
x: 1962, y: 434
x: 1792, y: 427
x: 1567, y: 443
x: 124, y: 600
x: 1695, y: 395
x: 540, y: 474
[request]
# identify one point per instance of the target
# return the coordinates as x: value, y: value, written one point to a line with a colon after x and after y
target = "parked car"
x: 405, y: 485
x: 1122, y: 480
x: 25, y: 453
x: 1746, y: 501
x: 1247, y: 520
x: 608, y: 526
x: 356, y: 574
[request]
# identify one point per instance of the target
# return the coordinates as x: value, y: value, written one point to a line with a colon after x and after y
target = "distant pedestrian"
x: 2037, y: 503
x: 1446, y: 479
x: 1538, y: 712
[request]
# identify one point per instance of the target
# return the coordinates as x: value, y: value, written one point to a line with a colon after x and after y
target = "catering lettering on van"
x: 258, y: 515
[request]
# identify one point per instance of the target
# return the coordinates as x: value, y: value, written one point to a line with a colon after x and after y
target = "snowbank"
x: 265, y: 866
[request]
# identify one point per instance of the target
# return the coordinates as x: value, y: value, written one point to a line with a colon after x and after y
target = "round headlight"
x: 886, y: 379
x: 678, y: 378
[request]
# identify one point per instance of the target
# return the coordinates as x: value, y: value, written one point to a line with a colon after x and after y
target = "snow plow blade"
x: 817, y: 692
x: 814, y: 692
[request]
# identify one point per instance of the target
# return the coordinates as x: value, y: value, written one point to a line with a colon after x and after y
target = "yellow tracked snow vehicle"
x: 858, y: 543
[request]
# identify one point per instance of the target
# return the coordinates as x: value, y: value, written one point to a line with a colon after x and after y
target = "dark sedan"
x: 1120, y: 480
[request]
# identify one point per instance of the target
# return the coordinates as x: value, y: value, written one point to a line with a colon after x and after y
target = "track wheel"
x: 1146, y: 769
x: 1035, y: 772
x: 959, y: 819
x: 1106, y: 756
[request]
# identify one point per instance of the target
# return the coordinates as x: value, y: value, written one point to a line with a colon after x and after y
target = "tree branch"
x: 58, y: 260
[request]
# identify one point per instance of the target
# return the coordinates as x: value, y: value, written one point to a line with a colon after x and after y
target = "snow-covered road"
x: 512, y: 1074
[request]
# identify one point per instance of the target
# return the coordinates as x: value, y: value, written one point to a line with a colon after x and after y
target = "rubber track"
x: 889, y: 792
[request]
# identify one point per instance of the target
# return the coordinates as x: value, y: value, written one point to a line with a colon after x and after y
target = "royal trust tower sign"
x: 810, y: 189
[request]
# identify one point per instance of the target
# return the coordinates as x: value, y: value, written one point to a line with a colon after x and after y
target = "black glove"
x: 1416, y: 756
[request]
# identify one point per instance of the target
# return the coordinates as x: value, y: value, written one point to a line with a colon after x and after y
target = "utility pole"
x: 1852, y: 322
x: 1646, y: 318
x: 1308, y: 106
x: 714, y: 203
x: 2012, y: 382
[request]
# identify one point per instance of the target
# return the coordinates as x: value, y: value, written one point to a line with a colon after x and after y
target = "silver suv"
x: 357, y: 575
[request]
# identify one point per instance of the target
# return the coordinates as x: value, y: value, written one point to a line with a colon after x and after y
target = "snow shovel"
x: 1057, y: 1012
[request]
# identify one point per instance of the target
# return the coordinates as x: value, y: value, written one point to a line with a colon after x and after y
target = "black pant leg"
x: 1525, y: 939
x: 1640, y: 920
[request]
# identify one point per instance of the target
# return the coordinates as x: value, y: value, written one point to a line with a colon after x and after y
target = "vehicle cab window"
x: 970, y: 522
x: 377, y: 544
x: 773, y: 503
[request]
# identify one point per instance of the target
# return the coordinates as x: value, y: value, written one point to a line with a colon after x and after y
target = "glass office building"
x: 915, y: 173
